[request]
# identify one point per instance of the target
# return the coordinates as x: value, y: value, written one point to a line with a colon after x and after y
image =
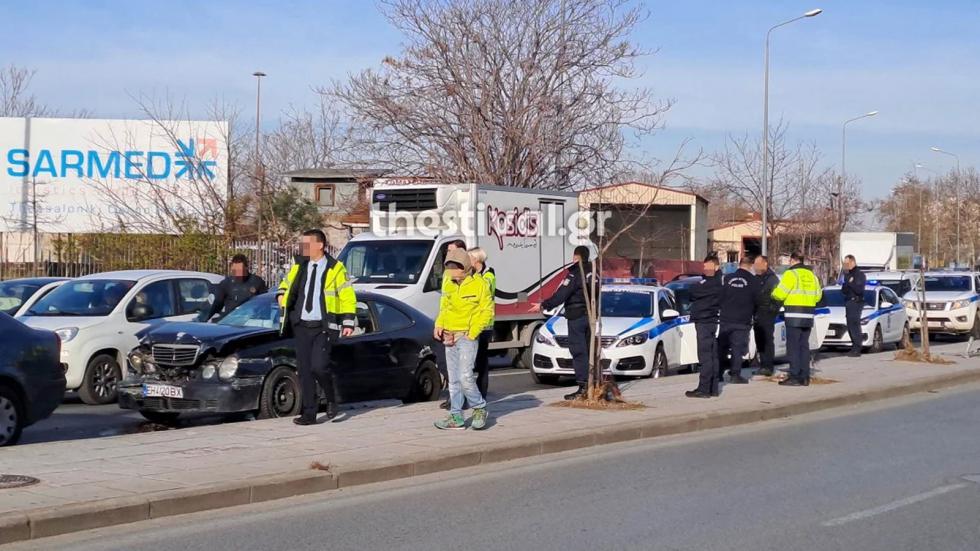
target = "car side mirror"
x: 886, y: 305
x: 140, y: 312
x: 669, y: 314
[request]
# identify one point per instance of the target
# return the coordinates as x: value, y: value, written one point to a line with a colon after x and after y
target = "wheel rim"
x: 426, y: 384
x: 283, y: 397
x: 104, y: 379
x: 661, y: 366
x: 8, y: 420
x: 877, y: 342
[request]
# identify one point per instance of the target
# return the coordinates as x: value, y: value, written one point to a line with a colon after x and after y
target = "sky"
x: 916, y: 62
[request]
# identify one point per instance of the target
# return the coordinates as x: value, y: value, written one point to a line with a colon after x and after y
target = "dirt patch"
x: 813, y: 380
x: 910, y: 354
x: 317, y: 466
x: 604, y: 397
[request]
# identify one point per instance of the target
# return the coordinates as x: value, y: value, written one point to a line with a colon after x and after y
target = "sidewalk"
x: 92, y: 483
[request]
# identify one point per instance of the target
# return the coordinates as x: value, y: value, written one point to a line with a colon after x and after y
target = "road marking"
x: 868, y: 513
x: 509, y: 374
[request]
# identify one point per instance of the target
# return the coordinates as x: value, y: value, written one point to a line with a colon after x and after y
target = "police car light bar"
x: 631, y: 280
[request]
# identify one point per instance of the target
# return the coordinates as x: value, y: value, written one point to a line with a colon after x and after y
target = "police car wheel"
x: 659, y: 364
x: 877, y: 342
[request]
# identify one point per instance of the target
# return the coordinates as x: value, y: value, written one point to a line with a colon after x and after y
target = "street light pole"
x: 956, y: 188
x: 260, y: 180
x: 843, y: 172
x: 765, y: 130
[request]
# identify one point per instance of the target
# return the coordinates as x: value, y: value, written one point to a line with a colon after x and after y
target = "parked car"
x: 900, y: 282
x: 952, y: 304
x: 242, y: 364
x: 883, y: 319
x: 98, y: 317
x: 18, y: 295
x: 32, y: 381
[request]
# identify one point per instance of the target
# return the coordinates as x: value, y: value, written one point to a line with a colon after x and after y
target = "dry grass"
x: 912, y: 354
x: 317, y: 466
x: 813, y: 380
x: 605, y: 397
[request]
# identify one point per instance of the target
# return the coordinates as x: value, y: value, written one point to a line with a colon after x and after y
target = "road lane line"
x: 524, y: 372
x: 868, y: 513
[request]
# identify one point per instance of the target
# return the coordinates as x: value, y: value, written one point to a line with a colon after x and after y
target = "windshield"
x: 899, y: 286
x: 948, y: 283
x: 89, y: 297
x: 261, y: 311
x: 835, y: 297
x: 621, y: 304
x: 13, y: 294
x: 386, y: 261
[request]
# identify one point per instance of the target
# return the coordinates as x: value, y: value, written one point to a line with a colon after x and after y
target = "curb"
x: 51, y: 521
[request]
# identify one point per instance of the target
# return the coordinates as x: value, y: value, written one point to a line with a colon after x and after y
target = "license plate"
x: 163, y: 391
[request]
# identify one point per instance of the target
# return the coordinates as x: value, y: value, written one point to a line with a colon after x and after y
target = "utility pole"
x: 259, y: 177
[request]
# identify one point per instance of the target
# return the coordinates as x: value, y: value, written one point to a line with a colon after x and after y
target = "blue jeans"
x: 460, y: 358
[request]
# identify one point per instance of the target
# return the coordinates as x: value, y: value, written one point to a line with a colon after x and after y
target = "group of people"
x: 724, y: 309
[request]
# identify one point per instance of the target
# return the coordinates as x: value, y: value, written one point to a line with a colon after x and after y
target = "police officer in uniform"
x: 574, y: 291
x: 799, y: 291
x: 738, y: 296
x: 852, y: 288
x: 319, y: 305
x: 234, y: 290
x: 766, y: 310
x: 705, y: 307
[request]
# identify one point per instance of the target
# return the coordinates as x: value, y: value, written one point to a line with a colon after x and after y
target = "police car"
x: 952, y: 301
x: 883, y: 319
x: 640, y: 334
x: 901, y: 281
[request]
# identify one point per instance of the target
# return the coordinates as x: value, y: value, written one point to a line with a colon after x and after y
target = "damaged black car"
x: 242, y: 364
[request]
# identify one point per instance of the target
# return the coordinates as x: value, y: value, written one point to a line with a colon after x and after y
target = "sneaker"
x: 453, y: 422
x: 479, y: 421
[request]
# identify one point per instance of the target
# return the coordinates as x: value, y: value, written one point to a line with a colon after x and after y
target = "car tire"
x: 544, y: 378
x: 877, y: 342
x: 11, y: 416
x: 524, y: 358
x: 99, y: 385
x: 660, y: 367
x: 427, y: 385
x: 975, y: 332
x: 906, y: 339
x: 280, y: 394
x: 160, y: 417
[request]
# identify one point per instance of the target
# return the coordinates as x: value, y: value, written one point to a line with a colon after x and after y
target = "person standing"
x: 445, y: 288
x: 480, y: 269
x: 239, y: 286
x: 738, y: 296
x: 319, y: 305
x: 464, y: 311
x: 853, y: 290
x: 574, y: 293
x: 799, y: 291
x: 705, y: 309
x: 766, y: 310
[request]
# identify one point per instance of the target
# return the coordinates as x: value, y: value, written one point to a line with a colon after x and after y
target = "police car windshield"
x: 835, y: 297
x: 947, y: 283
x: 261, y: 311
x: 623, y: 304
x: 386, y: 261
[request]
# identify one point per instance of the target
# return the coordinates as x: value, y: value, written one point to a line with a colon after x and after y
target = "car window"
x: 364, y: 320
x: 391, y: 318
x: 434, y: 280
x: 83, y: 297
x: 13, y: 294
x: 158, y: 297
x: 193, y: 295
x: 665, y: 302
x: 262, y: 311
x: 890, y: 296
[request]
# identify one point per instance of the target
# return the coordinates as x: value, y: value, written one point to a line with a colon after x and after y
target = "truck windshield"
x: 388, y: 261
x: 947, y: 283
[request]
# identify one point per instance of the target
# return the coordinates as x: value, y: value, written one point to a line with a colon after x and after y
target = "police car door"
x: 894, y: 325
x: 671, y: 336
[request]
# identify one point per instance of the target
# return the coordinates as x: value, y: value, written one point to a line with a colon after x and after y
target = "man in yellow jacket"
x: 480, y: 269
x: 464, y: 312
x: 799, y: 290
x: 318, y: 305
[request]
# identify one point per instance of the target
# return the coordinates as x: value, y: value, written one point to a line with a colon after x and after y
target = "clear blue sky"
x: 917, y: 62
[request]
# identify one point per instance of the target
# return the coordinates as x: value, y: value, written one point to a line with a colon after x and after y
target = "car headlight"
x: 208, y: 370
x: 957, y: 304
x: 633, y: 340
x: 544, y: 338
x: 66, y: 333
x: 228, y: 367
x: 136, y: 360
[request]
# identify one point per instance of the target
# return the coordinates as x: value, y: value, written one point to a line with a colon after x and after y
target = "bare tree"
x: 16, y: 99
x: 516, y: 92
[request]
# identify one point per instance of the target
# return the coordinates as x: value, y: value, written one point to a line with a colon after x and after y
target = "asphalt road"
x: 905, y: 476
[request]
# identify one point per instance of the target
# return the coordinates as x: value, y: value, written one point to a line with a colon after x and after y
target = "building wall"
x: 664, y: 232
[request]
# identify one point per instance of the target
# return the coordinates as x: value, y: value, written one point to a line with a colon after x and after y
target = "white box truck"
x: 879, y: 251
x: 528, y: 234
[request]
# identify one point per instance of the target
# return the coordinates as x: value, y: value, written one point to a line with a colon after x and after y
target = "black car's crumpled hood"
x: 210, y: 335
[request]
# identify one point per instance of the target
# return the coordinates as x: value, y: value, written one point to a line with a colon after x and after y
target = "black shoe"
x: 697, y: 394
x: 331, y: 410
x: 579, y: 394
x: 790, y: 381
x: 805, y: 382
x: 304, y: 421
x: 444, y: 405
x: 739, y: 380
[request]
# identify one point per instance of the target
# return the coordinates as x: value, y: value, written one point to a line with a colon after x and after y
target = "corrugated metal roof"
x: 639, y: 193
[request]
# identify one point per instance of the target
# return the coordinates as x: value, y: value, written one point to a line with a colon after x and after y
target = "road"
x: 875, y: 478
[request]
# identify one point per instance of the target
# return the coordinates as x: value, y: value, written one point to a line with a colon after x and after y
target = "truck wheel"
x: 544, y: 378
x: 11, y: 416
x: 160, y: 417
x: 99, y: 383
x: 280, y: 394
x: 877, y: 342
x: 427, y: 385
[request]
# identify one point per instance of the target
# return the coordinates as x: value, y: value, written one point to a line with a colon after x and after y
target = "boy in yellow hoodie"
x: 464, y: 312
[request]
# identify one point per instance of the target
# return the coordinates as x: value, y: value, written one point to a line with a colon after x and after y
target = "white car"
x: 18, y: 295
x: 900, y: 282
x: 883, y: 319
x: 98, y: 317
x: 952, y: 302
x: 640, y: 336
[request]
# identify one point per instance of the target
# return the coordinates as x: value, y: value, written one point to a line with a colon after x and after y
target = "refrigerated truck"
x: 879, y: 251
x: 528, y: 235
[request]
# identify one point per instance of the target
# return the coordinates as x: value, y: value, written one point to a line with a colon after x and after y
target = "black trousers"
x: 482, y: 367
x: 579, y: 336
x: 709, y: 375
x: 765, y: 341
x: 733, y: 341
x: 852, y: 311
x: 798, y: 352
x: 313, y: 346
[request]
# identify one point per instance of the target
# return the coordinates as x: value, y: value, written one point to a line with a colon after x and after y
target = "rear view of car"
x: 32, y: 381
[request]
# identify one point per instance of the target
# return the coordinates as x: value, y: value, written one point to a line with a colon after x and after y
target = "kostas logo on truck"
x: 512, y: 223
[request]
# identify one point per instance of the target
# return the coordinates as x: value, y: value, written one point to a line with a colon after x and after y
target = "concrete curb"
x: 39, y: 523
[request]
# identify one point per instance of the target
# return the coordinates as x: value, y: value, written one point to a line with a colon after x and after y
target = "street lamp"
x: 258, y: 155
x: 843, y: 142
x: 956, y: 188
x: 765, y: 129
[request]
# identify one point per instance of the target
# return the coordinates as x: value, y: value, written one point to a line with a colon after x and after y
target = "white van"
x: 98, y: 317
